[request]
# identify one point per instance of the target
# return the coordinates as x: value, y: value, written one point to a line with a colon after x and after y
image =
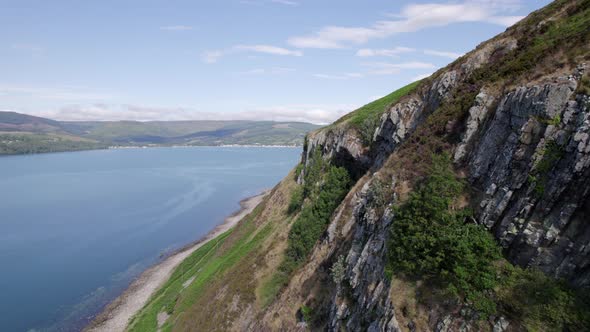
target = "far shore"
x: 117, y: 314
x: 115, y: 147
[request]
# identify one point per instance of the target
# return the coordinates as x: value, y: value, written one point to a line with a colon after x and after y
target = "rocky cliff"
x: 512, y: 118
x: 517, y: 124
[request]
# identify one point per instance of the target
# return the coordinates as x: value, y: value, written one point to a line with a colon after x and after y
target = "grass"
x: 365, y: 118
x: 270, y: 288
x: 206, y: 264
x: 377, y: 107
x: 537, y: 45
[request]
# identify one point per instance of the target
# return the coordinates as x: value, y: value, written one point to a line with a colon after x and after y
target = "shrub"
x: 539, y: 175
x: 298, y: 170
x: 296, y: 200
x: 430, y: 239
x: 584, y: 85
x: 306, y: 313
x: 542, y: 303
x: 338, y: 270
x: 314, y: 218
x: 313, y: 172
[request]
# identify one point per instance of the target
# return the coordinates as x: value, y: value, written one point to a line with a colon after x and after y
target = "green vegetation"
x: 314, y: 218
x: 542, y: 303
x: 205, y: 265
x: 325, y: 186
x: 432, y: 240
x: 584, y: 85
x: 539, y: 175
x: 25, y: 143
x: 539, y: 38
x: 296, y: 200
x: 21, y: 133
x: 313, y: 173
x: 366, y: 118
x: 306, y: 313
x: 338, y: 270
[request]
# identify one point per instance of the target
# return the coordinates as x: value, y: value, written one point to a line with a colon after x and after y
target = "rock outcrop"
x: 523, y: 146
x: 537, y: 214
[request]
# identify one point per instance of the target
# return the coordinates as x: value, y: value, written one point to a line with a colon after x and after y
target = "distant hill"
x: 21, y: 133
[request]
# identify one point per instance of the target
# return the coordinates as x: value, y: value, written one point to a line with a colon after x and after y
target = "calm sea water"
x: 76, y: 228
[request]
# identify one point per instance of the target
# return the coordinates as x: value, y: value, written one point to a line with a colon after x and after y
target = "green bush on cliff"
x: 314, y: 218
x: 430, y: 239
x: 296, y: 200
x: 542, y: 303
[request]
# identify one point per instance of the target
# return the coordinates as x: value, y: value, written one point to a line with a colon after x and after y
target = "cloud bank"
x: 319, y: 114
x: 412, y: 18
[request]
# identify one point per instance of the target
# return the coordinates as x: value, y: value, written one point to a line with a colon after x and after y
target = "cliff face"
x: 539, y: 217
x: 513, y: 115
x: 523, y: 146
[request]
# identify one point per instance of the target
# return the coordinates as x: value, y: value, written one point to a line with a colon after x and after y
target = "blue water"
x: 76, y: 228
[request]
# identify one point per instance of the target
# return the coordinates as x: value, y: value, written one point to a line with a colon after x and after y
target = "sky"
x: 282, y: 60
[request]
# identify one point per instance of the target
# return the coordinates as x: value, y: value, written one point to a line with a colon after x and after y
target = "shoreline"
x: 116, y: 315
x: 107, y: 148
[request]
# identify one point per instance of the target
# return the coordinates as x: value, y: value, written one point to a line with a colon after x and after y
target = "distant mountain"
x: 21, y: 133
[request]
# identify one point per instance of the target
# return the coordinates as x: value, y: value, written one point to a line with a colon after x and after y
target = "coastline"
x: 116, y: 315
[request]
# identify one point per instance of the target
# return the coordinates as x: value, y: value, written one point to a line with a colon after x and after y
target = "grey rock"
x: 501, y: 324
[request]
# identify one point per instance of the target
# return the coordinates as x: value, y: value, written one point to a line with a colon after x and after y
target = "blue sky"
x: 303, y: 60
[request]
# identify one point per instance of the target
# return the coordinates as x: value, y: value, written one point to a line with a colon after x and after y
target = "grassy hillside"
x: 227, y: 275
x: 366, y: 118
x: 26, y: 142
x: 22, y: 133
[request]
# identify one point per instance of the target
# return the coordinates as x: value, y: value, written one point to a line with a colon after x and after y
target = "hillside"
x: 20, y: 133
x: 458, y: 203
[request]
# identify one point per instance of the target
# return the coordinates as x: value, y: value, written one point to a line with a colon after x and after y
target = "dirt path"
x: 116, y: 315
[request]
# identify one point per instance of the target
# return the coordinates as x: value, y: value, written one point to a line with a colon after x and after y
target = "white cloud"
x: 176, y: 28
x: 386, y: 68
x: 214, y: 55
x: 505, y: 20
x: 373, y: 98
x: 344, y: 76
x: 273, y: 71
x: 62, y: 94
x: 367, y: 52
x: 268, y: 49
x: 262, y: 2
x: 420, y: 77
x: 320, y: 113
x: 444, y: 54
x: 412, y: 18
x: 286, y: 2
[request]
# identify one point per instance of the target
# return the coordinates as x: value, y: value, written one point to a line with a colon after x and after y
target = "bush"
x: 298, y: 170
x: 306, y: 313
x: 542, y: 303
x: 296, y: 200
x: 338, y: 270
x: 430, y: 239
x: 314, y: 218
x: 313, y: 172
x: 539, y: 175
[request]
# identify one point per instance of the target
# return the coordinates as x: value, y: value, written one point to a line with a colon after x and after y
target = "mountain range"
x: 21, y: 133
